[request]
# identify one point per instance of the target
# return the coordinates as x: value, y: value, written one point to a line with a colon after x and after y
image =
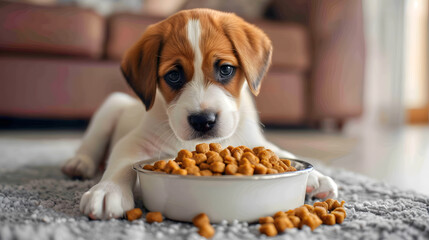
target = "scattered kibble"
x: 154, y: 217
x: 268, y: 229
x: 264, y: 220
x: 202, y: 222
x: 134, y: 214
x: 329, y: 212
x: 206, y: 231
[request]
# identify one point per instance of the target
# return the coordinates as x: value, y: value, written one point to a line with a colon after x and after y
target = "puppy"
x: 195, y: 73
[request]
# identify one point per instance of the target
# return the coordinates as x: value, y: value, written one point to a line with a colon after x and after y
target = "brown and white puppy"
x: 195, y: 73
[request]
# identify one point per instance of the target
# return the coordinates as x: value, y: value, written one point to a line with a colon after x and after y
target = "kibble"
x: 281, y: 223
x: 202, y: 222
x: 199, y: 158
x: 160, y: 164
x: 188, y: 162
x: 214, y: 158
x: 183, y: 154
x: 272, y: 171
x: 171, y: 166
x: 264, y: 220
x: 237, y: 152
x: 246, y: 169
x: 216, y: 147
x: 339, y: 216
x: 204, y: 166
x: 321, y: 204
x: 217, y: 167
x: 295, y: 220
x: 268, y: 229
x: 202, y: 148
x: 312, y: 220
x: 193, y: 170
x: 280, y: 214
x: 149, y: 167
x: 329, y: 212
x: 206, y: 173
x: 328, y: 219
x: 180, y: 172
x: 231, y: 169
x: 206, y: 231
x: 134, y: 214
x: 154, y: 217
x: 236, y: 161
x: 260, y: 169
x: 224, y: 153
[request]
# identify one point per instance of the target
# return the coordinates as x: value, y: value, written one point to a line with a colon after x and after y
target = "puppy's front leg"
x: 113, y: 195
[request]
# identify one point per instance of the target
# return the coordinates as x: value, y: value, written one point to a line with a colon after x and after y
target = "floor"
x: 397, y: 156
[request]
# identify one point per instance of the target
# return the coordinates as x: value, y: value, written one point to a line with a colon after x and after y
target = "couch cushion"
x: 56, y: 88
x: 50, y: 30
x: 123, y: 31
x: 291, y: 44
x: 282, y: 99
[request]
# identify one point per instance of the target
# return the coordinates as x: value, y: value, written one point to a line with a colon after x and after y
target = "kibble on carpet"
x: 38, y: 202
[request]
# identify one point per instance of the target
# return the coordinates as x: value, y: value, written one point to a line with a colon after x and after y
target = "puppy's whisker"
x: 242, y: 139
x: 165, y: 142
x: 164, y: 139
x: 164, y: 128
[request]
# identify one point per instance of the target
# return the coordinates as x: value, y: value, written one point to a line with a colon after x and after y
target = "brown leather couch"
x: 61, y: 62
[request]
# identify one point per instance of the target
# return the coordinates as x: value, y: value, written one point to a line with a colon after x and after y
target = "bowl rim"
x: 139, y: 169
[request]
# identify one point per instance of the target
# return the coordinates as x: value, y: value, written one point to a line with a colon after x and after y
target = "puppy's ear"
x: 253, y: 48
x: 140, y: 65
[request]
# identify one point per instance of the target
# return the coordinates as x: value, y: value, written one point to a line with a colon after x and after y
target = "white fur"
x: 193, y: 28
x: 137, y: 135
x: 198, y: 96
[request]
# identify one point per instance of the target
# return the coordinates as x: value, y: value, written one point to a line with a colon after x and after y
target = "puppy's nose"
x: 202, y: 122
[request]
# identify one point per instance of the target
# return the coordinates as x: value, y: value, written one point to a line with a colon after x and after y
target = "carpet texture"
x: 38, y: 202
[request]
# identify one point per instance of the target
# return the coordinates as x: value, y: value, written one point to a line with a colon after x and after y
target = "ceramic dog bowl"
x: 245, y: 198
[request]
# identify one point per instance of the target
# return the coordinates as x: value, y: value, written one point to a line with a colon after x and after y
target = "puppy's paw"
x: 321, y: 186
x: 107, y: 200
x: 79, y: 166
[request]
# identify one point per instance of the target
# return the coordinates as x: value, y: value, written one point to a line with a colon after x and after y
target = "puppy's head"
x: 198, y: 60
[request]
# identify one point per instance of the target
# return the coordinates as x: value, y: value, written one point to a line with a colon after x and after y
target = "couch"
x: 60, y: 62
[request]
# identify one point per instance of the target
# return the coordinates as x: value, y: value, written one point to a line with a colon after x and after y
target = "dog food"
x: 282, y: 223
x: 264, y: 220
x: 134, y: 214
x: 202, y: 222
x: 328, y: 212
x: 268, y: 229
x: 213, y: 160
x: 154, y: 217
x: 206, y: 231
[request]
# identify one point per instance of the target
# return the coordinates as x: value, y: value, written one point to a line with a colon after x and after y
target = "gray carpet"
x: 38, y: 202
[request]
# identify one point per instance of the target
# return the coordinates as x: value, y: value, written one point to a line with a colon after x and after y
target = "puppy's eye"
x: 226, y: 70
x: 175, y: 78
x: 224, y: 73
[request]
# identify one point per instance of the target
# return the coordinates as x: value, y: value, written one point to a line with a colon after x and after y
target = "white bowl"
x: 245, y: 198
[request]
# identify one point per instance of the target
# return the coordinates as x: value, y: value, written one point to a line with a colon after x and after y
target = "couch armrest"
x: 336, y: 85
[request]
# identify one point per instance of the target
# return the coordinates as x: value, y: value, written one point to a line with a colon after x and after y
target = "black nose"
x: 202, y: 122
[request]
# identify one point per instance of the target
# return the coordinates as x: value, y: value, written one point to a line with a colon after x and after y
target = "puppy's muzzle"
x: 202, y: 122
